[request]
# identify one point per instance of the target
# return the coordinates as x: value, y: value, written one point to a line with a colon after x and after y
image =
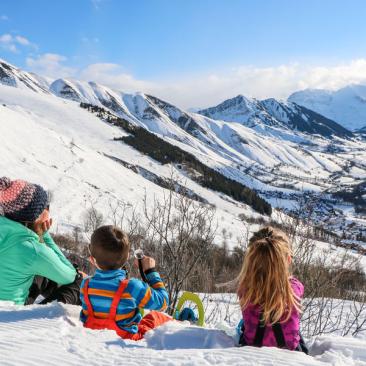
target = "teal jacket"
x: 22, y: 256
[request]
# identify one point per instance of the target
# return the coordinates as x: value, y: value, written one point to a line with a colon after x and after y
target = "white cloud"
x: 7, y: 43
x: 4, y: 17
x: 96, y: 3
x: 90, y: 40
x: 12, y: 43
x: 114, y: 76
x: 22, y: 40
x: 51, y: 65
x: 210, y: 88
x: 6, y: 38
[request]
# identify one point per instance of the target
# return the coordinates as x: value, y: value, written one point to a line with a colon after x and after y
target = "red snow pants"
x: 150, y: 321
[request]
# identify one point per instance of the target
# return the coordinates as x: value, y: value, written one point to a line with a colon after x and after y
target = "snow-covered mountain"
x: 282, y: 151
x: 274, y: 113
x: 362, y: 131
x: 347, y: 105
x: 12, y: 76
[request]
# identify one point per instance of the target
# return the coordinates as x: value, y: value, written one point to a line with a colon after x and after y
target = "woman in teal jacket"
x: 30, y: 261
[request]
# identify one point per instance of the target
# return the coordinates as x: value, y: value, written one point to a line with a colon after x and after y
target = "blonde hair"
x: 265, y: 274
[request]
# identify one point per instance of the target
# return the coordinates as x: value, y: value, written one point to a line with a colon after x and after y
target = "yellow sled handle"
x: 190, y: 296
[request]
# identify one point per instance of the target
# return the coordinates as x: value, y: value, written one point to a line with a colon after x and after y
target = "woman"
x: 31, y: 264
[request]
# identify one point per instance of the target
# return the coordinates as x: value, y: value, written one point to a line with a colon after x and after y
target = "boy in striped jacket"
x: 110, y: 300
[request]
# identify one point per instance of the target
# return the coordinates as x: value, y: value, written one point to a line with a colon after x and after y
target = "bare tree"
x: 180, y: 233
x: 92, y: 219
x: 335, y: 283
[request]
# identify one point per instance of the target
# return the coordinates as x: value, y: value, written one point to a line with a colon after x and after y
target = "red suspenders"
x: 98, y: 323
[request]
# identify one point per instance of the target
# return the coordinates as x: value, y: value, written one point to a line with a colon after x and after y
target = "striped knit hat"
x: 21, y: 201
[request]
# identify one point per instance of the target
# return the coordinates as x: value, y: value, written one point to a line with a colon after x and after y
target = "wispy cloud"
x: 4, y: 17
x: 96, y: 3
x: 207, y: 89
x: 22, y: 40
x: 114, y: 76
x: 210, y: 88
x: 13, y: 43
x: 51, y: 65
x: 6, y: 42
x: 90, y: 39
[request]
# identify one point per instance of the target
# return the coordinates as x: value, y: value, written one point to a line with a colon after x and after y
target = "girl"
x: 269, y: 297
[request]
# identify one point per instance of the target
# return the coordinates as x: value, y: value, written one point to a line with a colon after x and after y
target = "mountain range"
x: 271, y: 112
x: 231, y: 156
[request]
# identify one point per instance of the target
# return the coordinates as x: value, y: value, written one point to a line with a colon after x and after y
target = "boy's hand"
x: 147, y: 263
x: 83, y: 274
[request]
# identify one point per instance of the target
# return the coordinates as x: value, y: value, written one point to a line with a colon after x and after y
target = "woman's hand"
x: 42, y: 227
x: 46, y: 225
x: 43, y: 223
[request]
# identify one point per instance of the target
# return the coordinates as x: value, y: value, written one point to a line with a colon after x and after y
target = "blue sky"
x: 175, y: 47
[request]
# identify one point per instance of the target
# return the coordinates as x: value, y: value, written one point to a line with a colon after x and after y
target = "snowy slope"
x: 227, y: 145
x: 52, y: 335
x: 347, y: 106
x: 58, y: 144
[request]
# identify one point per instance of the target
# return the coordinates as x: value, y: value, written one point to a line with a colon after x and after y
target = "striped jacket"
x: 138, y: 294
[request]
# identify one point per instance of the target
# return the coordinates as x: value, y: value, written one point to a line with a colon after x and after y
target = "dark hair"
x: 109, y: 246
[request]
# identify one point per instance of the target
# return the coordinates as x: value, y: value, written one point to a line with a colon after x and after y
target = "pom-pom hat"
x: 21, y: 201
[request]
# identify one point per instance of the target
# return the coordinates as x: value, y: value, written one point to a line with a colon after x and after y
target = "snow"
x: 52, y: 335
x: 339, y: 350
x: 23, y: 80
x: 55, y: 143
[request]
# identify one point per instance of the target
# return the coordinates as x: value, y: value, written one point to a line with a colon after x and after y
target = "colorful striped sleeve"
x: 152, y: 295
x: 83, y: 305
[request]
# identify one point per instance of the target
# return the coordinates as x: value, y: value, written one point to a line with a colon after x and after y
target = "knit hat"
x: 21, y: 201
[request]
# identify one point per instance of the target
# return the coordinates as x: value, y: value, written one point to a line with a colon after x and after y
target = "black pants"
x: 67, y: 294
x: 302, y: 347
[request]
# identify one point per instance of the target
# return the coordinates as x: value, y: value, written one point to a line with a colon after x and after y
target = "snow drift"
x: 52, y: 335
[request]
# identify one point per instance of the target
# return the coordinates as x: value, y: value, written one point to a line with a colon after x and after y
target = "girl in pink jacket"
x: 269, y: 296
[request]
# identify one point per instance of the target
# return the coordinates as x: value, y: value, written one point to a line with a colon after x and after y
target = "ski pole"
x: 139, y: 255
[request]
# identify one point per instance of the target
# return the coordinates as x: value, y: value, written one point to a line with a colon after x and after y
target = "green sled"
x: 190, y: 296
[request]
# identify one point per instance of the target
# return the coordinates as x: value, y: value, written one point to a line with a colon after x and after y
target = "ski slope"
x: 52, y: 335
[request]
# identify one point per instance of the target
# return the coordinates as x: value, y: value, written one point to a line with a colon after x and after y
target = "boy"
x: 110, y: 300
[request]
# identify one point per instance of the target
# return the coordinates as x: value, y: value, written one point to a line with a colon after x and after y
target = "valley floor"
x: 52, y: 335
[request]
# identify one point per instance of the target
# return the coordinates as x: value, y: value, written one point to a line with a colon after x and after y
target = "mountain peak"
x: 237, y: 109
x: 12, y: 76
x: 274, y: 113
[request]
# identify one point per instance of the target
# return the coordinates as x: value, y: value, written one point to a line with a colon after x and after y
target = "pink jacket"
x: 290, y: 328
